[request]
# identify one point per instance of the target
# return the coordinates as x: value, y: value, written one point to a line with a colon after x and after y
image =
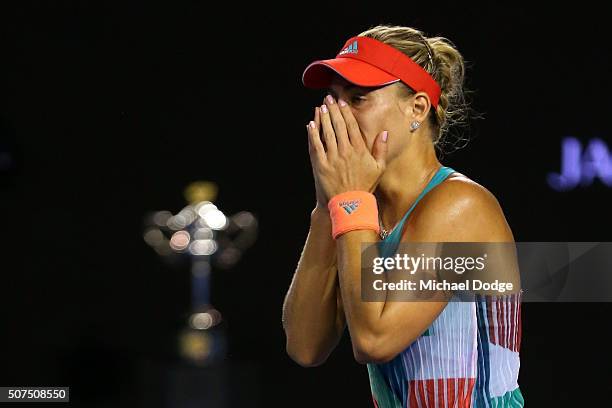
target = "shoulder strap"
x: 388, y: 247
x: 442, y: 173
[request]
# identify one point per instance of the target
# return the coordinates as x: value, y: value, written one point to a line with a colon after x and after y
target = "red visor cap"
x: 320, y: 73
x: 367, y: 62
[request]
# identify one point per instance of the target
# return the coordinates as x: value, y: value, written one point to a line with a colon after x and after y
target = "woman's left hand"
x: 345, y: 162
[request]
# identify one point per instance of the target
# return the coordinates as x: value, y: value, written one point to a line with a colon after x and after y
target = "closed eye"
x: 357, y: 98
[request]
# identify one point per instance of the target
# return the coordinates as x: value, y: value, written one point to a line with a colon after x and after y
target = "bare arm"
x: 454, y: 212
x: 313, y: 317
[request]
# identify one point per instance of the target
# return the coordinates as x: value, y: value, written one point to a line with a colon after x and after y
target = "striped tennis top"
x: 468, y: 356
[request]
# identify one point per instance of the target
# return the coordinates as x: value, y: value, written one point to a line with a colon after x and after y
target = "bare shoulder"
x: 459, y: 209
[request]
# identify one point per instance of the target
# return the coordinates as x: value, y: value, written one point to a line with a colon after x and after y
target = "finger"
x: 338, y: 124
x: 379, y: 151
x: 328, y: 132
x: 315, y: 146
x: 317, y: 121
x: 355, y: 136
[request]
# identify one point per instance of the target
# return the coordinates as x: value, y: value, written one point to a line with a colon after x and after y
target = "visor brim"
x: 319, y: 74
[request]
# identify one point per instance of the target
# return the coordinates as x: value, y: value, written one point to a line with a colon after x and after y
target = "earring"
x: 415, y: 125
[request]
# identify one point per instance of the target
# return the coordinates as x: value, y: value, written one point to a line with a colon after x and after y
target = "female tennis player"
x: 392, y: 96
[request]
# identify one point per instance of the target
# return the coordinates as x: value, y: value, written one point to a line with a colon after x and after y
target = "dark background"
x: 110, y: 109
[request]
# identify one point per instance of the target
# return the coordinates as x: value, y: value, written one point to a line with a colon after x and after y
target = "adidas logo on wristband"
x: 349, y: 206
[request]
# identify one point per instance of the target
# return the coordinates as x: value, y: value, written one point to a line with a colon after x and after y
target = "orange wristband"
x: 353, y: 210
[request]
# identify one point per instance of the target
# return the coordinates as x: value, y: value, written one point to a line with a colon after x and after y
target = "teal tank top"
x: 468, y: 357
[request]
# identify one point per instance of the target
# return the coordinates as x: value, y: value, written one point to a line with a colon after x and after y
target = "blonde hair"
x: 441, y: 59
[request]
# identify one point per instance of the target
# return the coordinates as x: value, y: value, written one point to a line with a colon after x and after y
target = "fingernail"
x: 311, y: 124
x: 323, y: 108
x: 384, y: 136
x: 330, y: 99
x: 341, y: 102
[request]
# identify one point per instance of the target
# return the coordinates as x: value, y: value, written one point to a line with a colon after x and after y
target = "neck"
x: 404, y: 178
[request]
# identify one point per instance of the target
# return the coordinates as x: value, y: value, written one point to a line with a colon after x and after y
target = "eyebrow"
x: 348, y: 87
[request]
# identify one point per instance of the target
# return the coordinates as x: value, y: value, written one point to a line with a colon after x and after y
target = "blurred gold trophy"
x: 207, y: 237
